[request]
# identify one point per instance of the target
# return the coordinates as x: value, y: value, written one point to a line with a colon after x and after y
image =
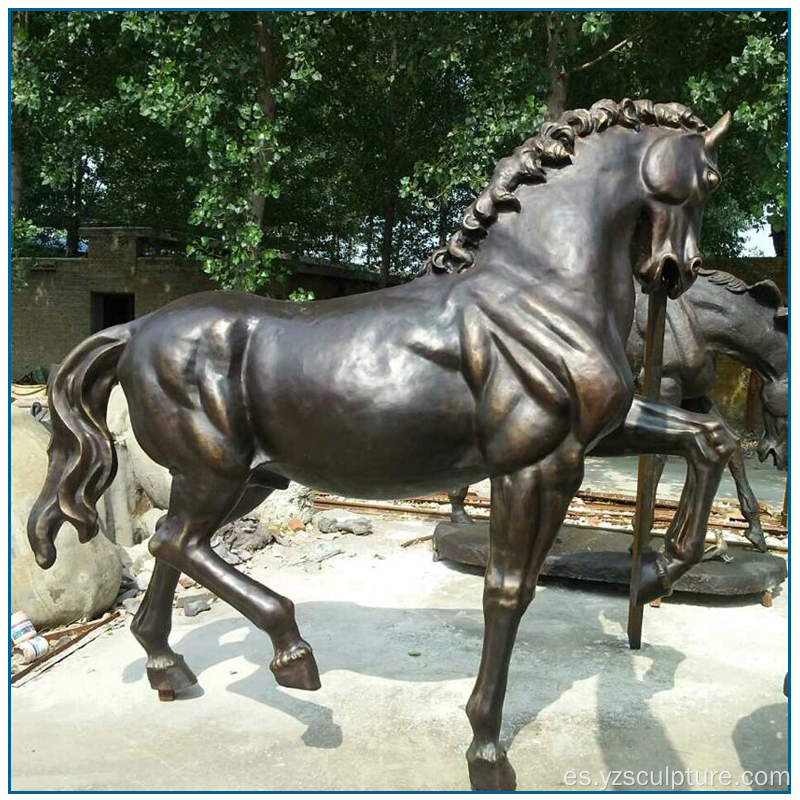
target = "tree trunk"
x: 443, y: 224
x: 370, y: 241
x: 557, y: 97
x: 266, y: 100
x: 390, y: 196
x: 16, y: 164
x: 73, y: 236
x: 389, y: 210
x: 778, y: 242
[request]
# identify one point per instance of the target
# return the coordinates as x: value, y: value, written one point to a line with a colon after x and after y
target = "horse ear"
x: 715, y: 135
x: 782, y: 319
x: 766, y: 293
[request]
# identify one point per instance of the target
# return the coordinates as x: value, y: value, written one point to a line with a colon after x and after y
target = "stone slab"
x: 595, y: 554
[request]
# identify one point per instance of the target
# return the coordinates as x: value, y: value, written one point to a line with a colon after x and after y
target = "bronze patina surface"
x: 505, y: 359
x: 720, y: 315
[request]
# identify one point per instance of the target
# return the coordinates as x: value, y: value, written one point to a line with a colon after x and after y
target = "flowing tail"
x: 81, y: 455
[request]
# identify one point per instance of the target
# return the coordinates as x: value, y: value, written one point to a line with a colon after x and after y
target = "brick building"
x: 127, y: 273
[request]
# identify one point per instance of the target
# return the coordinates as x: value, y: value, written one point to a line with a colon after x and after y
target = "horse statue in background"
x: 506, y: 359
x: 721, y: 315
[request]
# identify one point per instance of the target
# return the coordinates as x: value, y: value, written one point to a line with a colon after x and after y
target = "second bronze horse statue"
x: 506, y: 359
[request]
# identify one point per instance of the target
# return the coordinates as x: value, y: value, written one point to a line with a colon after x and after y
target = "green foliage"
x: 359, y: 135
x: 754, y: 84
x: 199, y: 78
x: 301, y: 295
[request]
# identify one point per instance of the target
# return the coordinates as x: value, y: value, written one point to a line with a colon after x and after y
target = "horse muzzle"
x: 769, y: 447
x: 668, y: 270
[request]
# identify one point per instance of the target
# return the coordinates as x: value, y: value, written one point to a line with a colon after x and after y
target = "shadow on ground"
x: 553, y: 653
x: 762, y: 743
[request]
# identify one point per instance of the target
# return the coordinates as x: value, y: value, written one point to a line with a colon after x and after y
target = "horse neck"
x: 741, y: 328
x: 571, y: 240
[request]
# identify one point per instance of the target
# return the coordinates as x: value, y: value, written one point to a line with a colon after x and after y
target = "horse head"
x: 679, y: 171
x: 775, y: 409
x: 775, y: 395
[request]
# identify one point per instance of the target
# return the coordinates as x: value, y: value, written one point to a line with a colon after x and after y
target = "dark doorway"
x: 111, y: 308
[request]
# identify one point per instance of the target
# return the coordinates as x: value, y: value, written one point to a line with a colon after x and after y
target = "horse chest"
x: 548, y: 382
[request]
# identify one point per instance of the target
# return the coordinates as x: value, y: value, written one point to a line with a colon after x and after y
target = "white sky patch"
x: 758, y: 242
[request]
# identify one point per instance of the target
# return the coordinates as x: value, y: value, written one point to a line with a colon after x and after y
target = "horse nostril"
x: 695, y: 265
x: 670, y: 271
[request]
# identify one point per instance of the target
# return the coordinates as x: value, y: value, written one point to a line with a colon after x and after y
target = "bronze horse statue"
x: 507, y: 360
x: 721, y: 315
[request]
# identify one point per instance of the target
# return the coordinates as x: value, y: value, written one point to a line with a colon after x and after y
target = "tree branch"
x: 610, y: 52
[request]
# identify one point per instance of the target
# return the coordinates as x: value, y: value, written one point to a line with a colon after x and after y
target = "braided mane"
x: 552, y: 146
x: 720, y: 278
x: 765, y: 292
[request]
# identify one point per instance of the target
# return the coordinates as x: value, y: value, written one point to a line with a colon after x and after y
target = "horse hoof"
x: 655, y: 582
x: 492, y: 776
x: 169, y: 674
x: 756, y: 537
x: 296, y: 668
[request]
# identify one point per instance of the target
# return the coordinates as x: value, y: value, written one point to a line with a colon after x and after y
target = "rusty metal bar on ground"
x: 617, y: 516
x: 646, y: 484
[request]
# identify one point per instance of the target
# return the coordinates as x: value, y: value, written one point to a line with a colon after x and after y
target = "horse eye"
x: 713, y: 179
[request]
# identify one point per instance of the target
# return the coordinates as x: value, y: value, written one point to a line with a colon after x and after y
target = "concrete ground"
x: 397, y: 638
x: 619, y: 474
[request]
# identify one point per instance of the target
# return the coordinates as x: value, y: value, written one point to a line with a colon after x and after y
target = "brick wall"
x: 53, y: 313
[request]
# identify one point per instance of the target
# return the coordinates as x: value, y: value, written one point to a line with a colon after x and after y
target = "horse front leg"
x: 706, y: 444
x: 528, y: 508
x: 747, y: 499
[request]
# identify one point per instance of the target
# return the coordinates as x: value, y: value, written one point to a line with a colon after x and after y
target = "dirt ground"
x: 398, y: 638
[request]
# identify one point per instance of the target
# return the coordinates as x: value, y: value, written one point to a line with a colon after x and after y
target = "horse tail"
x: 82, y: 461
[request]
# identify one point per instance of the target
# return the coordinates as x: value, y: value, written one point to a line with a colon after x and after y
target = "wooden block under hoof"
x: 166, y: 695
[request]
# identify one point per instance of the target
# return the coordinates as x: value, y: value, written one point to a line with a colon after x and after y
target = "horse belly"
x: 368, y: 421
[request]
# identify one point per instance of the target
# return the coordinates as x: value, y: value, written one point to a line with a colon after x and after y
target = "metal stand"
x: 645, y: 488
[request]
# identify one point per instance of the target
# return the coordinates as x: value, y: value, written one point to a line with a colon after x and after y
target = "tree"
x: 358, y: 135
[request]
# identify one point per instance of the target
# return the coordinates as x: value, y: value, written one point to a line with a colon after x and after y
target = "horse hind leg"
x: 151, y: 625
x: 458, y: 513
x: 199, y: 504
x: 747, y: 499
x: 166, y: 670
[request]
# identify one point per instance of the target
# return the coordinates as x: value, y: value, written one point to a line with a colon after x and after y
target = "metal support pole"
x: 645, y: 488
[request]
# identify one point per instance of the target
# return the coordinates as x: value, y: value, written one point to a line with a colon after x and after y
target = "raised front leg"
x: 528, y: 508
x: 706, y: 444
